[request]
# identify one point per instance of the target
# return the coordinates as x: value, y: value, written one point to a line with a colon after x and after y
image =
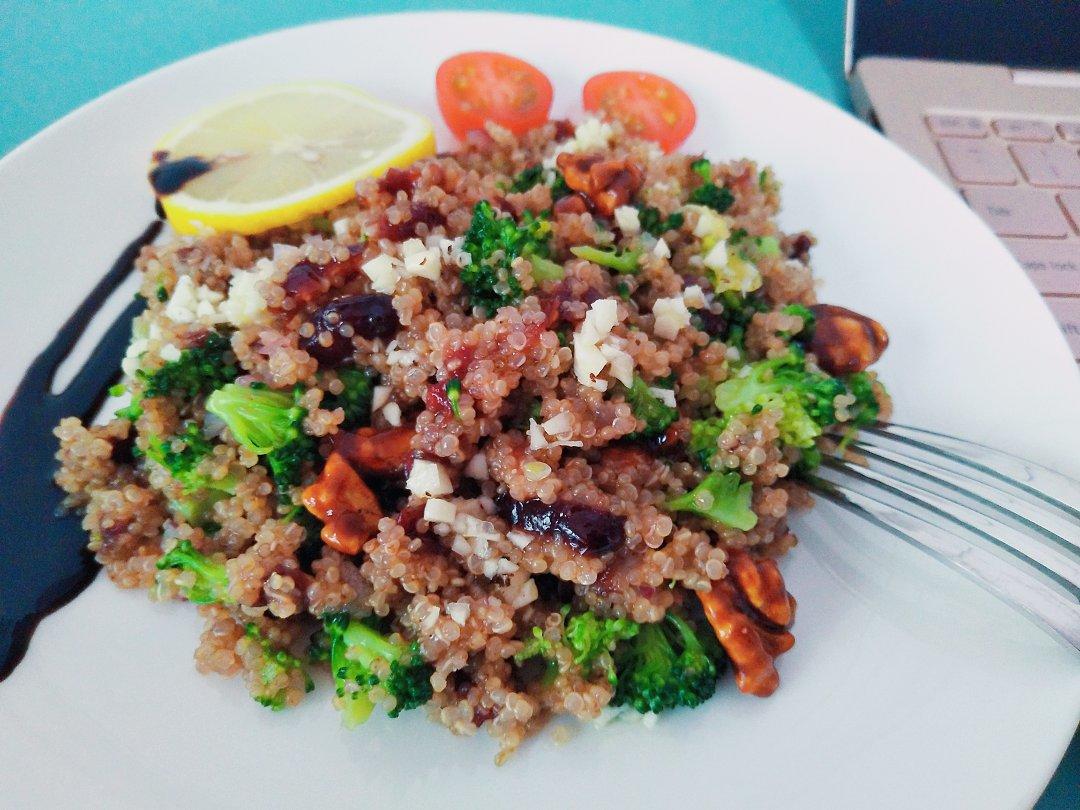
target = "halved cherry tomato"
x: 649, y: 106
x: 480, y: 86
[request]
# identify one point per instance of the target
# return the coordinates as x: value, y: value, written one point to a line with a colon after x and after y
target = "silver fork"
x: 1009, y: 525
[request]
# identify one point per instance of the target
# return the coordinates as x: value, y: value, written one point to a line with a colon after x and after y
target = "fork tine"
x: 992, y: 501
x: 1027, y: 585
x: 911, y: 502
x: 981, y: 463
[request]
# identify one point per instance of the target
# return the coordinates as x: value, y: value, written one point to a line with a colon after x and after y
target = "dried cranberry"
x: 575, y: 203
x: 406, y: 229
x: 396, y: 180
x: 563, y: 128
x: 436, y: 399
x: 800, y: 246
x: 305, y: 279
x: 583, y: 528
x: 711, y: 323
x: 369, y: 316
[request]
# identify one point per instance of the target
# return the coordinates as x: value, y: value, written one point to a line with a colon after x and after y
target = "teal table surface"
x: 56, y: 55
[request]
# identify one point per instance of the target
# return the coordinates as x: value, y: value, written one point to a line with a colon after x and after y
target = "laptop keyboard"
x: 1022, y: 176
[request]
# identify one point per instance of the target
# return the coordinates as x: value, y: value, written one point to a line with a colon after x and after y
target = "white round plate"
x: 907, y: 687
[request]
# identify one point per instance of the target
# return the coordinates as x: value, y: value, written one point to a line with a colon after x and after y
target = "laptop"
x: 986, y: 93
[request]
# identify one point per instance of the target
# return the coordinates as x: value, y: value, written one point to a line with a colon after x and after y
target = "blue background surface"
x: 55, y: 56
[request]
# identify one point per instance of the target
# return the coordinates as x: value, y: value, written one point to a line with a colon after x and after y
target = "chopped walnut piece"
x: 379, y: 452
x: 844, y: 341
x: 750, y: 613
x: 606, y: 182
x: 349, y: 510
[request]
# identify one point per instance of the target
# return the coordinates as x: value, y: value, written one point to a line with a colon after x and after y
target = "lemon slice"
x: 277, y: 155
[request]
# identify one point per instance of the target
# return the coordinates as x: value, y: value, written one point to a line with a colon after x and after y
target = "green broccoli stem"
x: 366, y: 645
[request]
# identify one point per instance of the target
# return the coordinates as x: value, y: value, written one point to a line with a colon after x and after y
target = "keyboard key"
x: 1050, y: 165
x: 979, y: 162
x: 1054, y: 267
x: 1019, y: 212
x: 1067, y: 312
x: 956, y: 126
x: 1070, y: 201
x: 1023, y: 129
x: 1070, y: 131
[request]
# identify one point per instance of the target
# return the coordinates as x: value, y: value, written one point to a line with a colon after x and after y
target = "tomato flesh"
x: 649, y: 106
x: 480, y: 86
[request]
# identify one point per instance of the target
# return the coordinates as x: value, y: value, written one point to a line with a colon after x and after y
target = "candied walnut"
x: 349, y: 510
x: 750, y: 613
x: 845, y: 341
x: 379, y: 452
x: 606, y: 182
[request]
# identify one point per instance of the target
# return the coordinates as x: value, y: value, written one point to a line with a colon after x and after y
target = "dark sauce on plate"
x: 169, y: 176
x: 44, y: 562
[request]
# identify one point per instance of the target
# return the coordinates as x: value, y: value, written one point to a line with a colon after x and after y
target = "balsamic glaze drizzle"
x: 44, y: 562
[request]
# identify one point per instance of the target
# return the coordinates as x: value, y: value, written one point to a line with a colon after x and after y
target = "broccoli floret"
x: 807, y: 316
x: 211, y: 579
x: 493, y: 242
x: 652, y: 222
x: 621, y: 261
x: 647, y: 407
x: 546, y: 270
x: 805, y: 399
x: 355, y: 397
x: 537, y: 649
x: 722, y: 497
x: 260, y: 419
x: 197, y: 371
x: 718, y: 198
x: 354, y: 647
x: 704, y: 434
x: 274, y: 663
x: 534, y: 174
x: 269, y: 423
x: 181, y: 455
x: 592, y: 639
x: 665, y: 666
x: 739, y: 309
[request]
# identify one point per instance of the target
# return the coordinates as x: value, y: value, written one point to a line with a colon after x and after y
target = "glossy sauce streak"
x: 169, y: 176
x: 43, y: 558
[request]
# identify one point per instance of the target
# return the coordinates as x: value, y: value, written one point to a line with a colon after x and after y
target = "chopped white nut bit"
x: 519, y: 539
x: 661, y: 249
x: 400, y: 357
x: 428, y: 478
x: 694, y: 297
x: 471, y: 526
x: 459, y: 611
x: 665, y: 395
x: 380, y: 395
x: 717, y: 258
x: 341, y: 227
x: 671, y: 315
x: 558, y: 424
x: 392, y: 413
x: 420, y: 260
x: 437, y: 510
x: 190, y: 302
x: 526, y: 594
x: 591, y: 134
x: 451, y: 252
x: 709, y: 223
x: 539, y: 436
x: 169, y: 353
x: 245, y: 303
x: 626, y: 217
x: 477, y: 467
x: 621, y: 363
x: 590, y: 357
x: 383, y: 271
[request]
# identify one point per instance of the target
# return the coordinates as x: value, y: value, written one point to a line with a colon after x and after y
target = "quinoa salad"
x: 513, y: 434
